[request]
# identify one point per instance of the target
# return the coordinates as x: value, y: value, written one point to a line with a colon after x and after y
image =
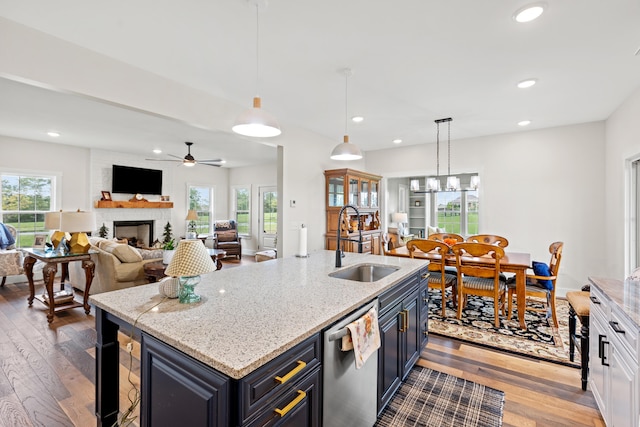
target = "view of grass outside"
x: 270, y: 212
x: 25, y: 200
x: 200, y: 201
x: 450, y: 211
x: 242, y: 208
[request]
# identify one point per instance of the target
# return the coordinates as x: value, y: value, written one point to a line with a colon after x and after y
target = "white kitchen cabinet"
x: 613, y: 363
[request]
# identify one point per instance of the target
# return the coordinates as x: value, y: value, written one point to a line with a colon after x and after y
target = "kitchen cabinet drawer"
x: 300, y: 406
x: 626, y: 332
x: 600, y: 304
x: 262, y: 385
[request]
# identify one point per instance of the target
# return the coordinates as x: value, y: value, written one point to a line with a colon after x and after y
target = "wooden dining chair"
x: 491, y: 239
x: 542, y: 283
x: 438, y: 277
x: 482, y: 279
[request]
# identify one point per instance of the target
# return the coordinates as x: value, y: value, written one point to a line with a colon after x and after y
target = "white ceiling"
x: 413, y: 61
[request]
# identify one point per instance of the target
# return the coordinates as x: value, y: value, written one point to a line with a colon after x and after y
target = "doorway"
x: 268, y: 217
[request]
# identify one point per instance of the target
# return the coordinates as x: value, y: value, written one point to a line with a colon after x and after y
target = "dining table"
x: 513, y: 262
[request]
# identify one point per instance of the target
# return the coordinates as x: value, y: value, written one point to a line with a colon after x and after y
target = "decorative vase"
x: 167, y: 256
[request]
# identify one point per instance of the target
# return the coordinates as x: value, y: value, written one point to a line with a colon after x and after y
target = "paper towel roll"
x: 302, y: 242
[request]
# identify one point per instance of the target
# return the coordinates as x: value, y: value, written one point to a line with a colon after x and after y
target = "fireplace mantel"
x: 126, y: 204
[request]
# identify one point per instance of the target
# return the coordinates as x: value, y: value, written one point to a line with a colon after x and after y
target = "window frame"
x: 211, y: 211
x: 236, y: 212
x: 55, y: 178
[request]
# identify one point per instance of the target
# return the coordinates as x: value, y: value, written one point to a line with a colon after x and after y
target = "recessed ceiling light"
x: 53, y: 134
x: 524, y: 123
x: 222, y: 161
x: 529, y: 12
x: 357, y: 119
x: 527, y: 83
x: 397, y: 141
x: 157, y: 150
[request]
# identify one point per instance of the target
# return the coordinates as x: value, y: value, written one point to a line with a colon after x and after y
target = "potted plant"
x: 103, y: 231
x: 168, y: 244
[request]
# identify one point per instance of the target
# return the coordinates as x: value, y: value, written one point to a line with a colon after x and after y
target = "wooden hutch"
x: 360, y: 189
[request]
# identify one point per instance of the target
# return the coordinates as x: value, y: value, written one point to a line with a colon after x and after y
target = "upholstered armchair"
x: 227, y: 237
x: 10, y: 258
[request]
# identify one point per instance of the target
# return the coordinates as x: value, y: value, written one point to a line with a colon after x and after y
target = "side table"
x: 154, y: 271
x: 51, y: 260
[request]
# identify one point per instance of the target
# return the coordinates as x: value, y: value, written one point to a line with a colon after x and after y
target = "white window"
x: 456, y: 211
x: 242, y: 209
x: 201, y: 200
x: 26, y: 197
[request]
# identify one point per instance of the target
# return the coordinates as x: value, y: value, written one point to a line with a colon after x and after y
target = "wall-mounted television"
x: 127, y: 179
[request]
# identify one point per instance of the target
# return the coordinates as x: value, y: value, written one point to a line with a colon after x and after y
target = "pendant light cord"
x: 257, y: 49
x: 346, y: 100
x: 437, y: 148
x: 449, y: 147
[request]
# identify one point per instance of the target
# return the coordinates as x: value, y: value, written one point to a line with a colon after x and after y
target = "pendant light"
x: 346, y: 150
x: 256, y: 122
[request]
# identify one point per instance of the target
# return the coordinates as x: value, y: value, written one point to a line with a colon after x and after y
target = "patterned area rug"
x: 432, y: 398
x: 540, y: 340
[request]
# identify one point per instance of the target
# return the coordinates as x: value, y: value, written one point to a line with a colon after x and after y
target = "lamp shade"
x: 191, y: 259
x: 400, y: 217
x: 346, y: 151
x: 192, y: 215
x: 256, y: 122
x: 77, y: 222
x: 52, y: 220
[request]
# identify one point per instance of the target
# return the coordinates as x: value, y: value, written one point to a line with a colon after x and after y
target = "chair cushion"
x: 473, y: 282
x: 150, y: 253
x: 580, y: 302
x: 436, y: 278
x: 227, y: 236
x: 542, y: 269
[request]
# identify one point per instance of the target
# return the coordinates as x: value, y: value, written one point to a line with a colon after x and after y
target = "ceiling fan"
x: 189, y: 160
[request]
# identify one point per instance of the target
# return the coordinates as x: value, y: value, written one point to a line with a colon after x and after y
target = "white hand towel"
x: 365, y: 336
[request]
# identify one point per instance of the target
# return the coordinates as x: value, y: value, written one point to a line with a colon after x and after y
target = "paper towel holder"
x: 300, y: 248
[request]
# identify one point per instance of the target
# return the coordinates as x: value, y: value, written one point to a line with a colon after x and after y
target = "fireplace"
x: 138, y: 233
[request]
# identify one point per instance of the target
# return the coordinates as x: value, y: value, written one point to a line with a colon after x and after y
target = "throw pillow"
x: 150, y: 253
x: 542, y: 269
x: 226, y: 236
x: 431, y: 230
x: 126, y: 253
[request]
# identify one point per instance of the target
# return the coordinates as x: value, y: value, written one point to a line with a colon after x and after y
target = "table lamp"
x: 78, y: 224
x: 190, y: 261
x: 401, y: 218
x: 192, y: 217
x: 59, y: 239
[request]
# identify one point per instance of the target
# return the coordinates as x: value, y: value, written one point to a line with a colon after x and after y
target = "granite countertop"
x: 251, y: 314
x: 625, y: 294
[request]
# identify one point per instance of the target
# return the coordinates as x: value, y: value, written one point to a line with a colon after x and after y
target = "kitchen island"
x: 249, y: 319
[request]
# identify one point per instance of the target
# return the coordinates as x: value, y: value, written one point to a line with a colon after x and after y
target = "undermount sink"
x: 364, y: 272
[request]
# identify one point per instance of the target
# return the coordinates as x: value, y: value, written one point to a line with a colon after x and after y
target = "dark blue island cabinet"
x: 178, y: 390
x: 403, y: 322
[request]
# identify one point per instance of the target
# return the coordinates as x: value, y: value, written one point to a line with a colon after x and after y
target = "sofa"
x: 117, y: 266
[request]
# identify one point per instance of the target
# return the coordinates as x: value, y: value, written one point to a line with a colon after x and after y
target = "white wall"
x: 623, y: 144
x: 536, y: 188
x: 70, y: 162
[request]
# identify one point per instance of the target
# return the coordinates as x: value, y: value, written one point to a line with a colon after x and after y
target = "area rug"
x: 540, y: 340
x: 432, y: 398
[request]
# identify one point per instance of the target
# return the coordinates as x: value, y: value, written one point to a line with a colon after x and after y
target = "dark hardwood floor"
x: 47, y: 371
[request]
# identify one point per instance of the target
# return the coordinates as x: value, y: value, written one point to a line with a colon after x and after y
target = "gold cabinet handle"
x: 291, y: 373
x: 406, y: 319
x: 425, y: 300
x: 403, y: 321
x: 282, y: 412
x: 425, y: 275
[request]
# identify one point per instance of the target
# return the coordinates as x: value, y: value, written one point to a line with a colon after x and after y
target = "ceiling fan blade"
x: 177, y: 157
x: 210, y: 164
x: 164, y: 160
x: 210, y: 161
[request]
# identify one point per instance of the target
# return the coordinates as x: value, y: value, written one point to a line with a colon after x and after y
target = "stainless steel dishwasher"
x: 349, y: 394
